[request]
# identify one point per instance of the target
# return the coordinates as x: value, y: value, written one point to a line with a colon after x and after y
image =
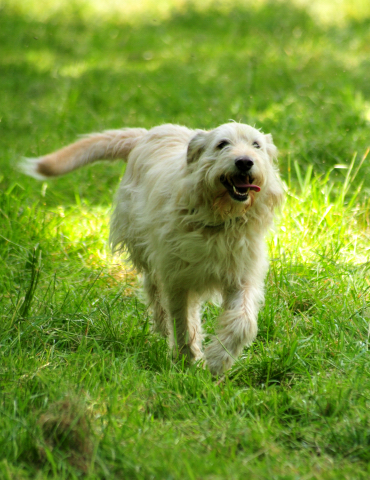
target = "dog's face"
x: 235, y: 163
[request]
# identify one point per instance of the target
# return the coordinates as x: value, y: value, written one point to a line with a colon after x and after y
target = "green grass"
x: 86, y: 390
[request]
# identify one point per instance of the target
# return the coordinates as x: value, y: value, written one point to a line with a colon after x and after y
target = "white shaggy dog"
x: 192, y: 211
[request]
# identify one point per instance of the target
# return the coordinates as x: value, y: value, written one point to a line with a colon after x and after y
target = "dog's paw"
x: 199, y: 364
x: 218, y: 358
x: 189, y: 355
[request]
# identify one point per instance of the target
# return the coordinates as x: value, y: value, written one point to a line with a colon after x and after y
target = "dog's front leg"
x: 186, y: 331
x: 237, y: 327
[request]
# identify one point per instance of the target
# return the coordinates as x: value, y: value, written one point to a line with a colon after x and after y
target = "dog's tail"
x: 109, y: 145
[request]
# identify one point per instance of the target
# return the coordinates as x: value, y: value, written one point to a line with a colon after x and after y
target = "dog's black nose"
x: 244, y: 164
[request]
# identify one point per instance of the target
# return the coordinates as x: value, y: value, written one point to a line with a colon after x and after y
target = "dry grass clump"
x: 66, y: 431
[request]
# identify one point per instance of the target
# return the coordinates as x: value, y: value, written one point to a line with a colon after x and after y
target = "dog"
x: 192, y: 211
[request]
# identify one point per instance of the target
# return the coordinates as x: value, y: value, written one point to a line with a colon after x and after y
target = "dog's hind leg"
x: 186, y: 329
x: 237, y: 327
x: 160, y: 316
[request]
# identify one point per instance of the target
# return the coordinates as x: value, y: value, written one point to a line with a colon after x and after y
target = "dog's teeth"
x: 238, y: 193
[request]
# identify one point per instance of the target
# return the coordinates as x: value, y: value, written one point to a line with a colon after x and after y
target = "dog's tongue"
x: 239, y: 182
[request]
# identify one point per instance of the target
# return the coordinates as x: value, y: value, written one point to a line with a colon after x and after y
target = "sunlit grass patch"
x: 88, y: 227
x: 328, y: 12
x: 336, y: 11
x: 326, y: 216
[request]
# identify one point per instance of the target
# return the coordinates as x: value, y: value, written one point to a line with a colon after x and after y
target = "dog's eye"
x: 223, y: 144
x: 256, y: 145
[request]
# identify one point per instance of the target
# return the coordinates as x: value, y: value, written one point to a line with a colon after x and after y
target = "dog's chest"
x: 210, y: 258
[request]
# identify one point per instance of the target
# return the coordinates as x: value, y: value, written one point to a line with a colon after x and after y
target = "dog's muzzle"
x: 239, y: 184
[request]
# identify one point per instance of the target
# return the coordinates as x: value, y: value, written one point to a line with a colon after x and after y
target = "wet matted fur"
x: 192, y: 211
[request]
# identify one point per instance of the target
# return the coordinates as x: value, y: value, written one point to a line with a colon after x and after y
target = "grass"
x: 86, y: 390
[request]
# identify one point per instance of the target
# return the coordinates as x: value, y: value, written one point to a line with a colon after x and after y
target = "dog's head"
x: 235, y: 164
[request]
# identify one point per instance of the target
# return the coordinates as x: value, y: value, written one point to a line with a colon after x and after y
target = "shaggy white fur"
x: 192, y: 211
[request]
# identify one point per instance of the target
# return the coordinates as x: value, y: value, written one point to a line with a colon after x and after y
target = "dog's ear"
x: 196, y: 146
x: 271, y: 149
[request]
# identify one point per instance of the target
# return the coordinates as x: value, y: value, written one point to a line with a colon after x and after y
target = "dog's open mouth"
x: 238, y: 186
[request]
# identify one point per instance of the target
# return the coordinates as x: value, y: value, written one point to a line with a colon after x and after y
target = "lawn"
x: 86, y: 390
